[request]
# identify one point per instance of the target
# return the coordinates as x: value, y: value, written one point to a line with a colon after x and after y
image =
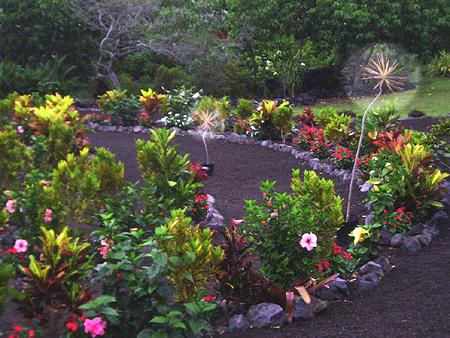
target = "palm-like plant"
x: 386, y: 74
x: 207, y: 121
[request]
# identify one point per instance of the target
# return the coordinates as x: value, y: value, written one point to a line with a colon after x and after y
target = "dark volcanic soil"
x: 413, y: 300
x: 238, y: 171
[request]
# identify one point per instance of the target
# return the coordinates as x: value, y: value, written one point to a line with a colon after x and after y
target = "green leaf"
x: 159, y: 320
x: 171, y: 183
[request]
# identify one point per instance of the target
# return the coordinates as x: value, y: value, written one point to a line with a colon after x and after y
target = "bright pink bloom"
x: 95, y: 327
x: 326, y: 264
x: 20, y: 129
x: 31, y: 333
x: 269, y: 203
x: 236, y: 221
x: 274, y: 214
x: 48, y: 215
x: 105, y: 248
x: 20, y: 246
x: 308, y: 241
x: 46, y: 183
x: 17, y: 328
x: 11, y: 206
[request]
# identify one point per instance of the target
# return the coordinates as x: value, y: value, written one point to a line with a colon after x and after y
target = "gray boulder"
x: 424, y: 239
x: 317, y: 305
x: 385, y: 237
x: 411, y: 245
x: 137, y: 129
x: 301, y: 309
x: 440, y: 218
x: 384, y: 263
x: 397, y: 240
x: 238, y: 322
x: 372, y: 267
x: 266, y: 314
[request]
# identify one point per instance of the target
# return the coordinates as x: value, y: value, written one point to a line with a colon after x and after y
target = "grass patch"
x: 431, y: 95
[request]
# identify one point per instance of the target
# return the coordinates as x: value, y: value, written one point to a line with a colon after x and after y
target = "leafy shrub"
x: 7, y: 273
x: 151, y: 100
x: 283, y: 121
x: 313, y: 140
x: 177, y: 120
x: 126, y: 110
x: 180, y: 101
x: 440, y: 65
x: 306, y: 117
x: 223, y: 107
x: 134, y: 279
x: 262, y: 119
x: 192, y: 257
x: 80, y: 185
x: 57, y: 279
x: 111, y: 96
x: 324, y: 115
x: 278, y: 225
x: 382, y: 119
x: 12, y: 158
x: 170, y: 78
x: 169, y: 183
x: 234, y: 274
x: 244, y: 109
x: 337, y: 128
x: 241, y: 126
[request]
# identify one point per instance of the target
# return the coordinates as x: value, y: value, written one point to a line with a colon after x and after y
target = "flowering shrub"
x: 180, y: 101
x: 292, y: 233
x: 313, y: 140
x: 141, y: 294
x: 22, y: 331
x: 342, y: 157
x: 177, y: 120
x: 200, y: 174
x: 200, y: 208
x: 399, y: 221
x: 144, y: 119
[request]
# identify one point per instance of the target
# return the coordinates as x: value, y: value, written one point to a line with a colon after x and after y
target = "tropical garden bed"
x: 88, y: 253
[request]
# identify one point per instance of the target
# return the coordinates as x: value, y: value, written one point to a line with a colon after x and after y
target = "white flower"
x: 302, y: 64
x: 196, y: 95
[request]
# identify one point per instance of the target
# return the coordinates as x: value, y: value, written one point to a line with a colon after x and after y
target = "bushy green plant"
x: 292, y: 233
x: 323, y: 116
x: 382, y: 119
x: 440, y: 65
x: 223, y: 107
x: 80, y: 184
x: 134, y: 279
x: 13, y: 158
x: 7, y: 273
x: 192, y: 257
x: 169, y: 184
x: 338, y: 128
x: 244, y: 109
x: 111, y: 96
x: 180, y: 101
x: 125, y: 110
x: 283, y: 121
x: 262, y: 119
x: 57, y: 278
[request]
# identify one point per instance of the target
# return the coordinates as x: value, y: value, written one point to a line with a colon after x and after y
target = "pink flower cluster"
x: 106, y: 247
x: 308, y: 241
x: 95, y: 327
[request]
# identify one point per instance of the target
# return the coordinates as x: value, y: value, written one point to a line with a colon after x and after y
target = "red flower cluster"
x: 339, y: 251
x: 208, y: 298
x: 342, y: 157
x: 313, y: 140
x: 398, y: 221
x: 72, y: 324
x: 200, y: 207
x: 325, y: 265
x: 19, y: 331
x: 200, y: 174
x: 144, y: 119
x: 363, y: 164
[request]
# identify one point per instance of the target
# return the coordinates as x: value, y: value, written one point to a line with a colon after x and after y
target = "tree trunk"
x: 113, y: 77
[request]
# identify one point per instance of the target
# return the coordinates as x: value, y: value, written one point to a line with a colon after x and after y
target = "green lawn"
x: 432, y: 96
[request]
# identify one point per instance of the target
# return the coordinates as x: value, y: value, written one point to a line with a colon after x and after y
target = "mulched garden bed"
x: 411, y: 301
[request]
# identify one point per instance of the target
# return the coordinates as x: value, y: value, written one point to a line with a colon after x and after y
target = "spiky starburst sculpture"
x: 384, y: 73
